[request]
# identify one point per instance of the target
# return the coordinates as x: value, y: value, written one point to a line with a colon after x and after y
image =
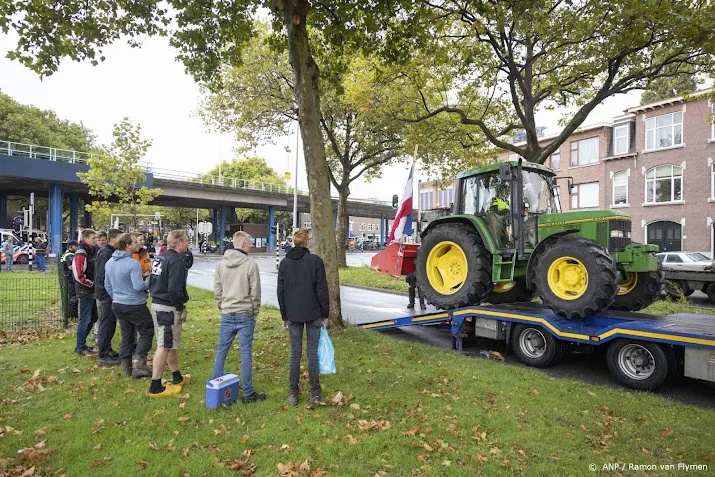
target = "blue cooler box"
x: 221, y: 390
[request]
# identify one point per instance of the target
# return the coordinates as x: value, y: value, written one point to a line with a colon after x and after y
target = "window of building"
x: 664, y: 131
x: 712, y: 181
x: 444, y: 198
x: 621, y: 139
x: 556, y: 161
x: 620, y: 188
x: 371, y: 227
x: 585, y: 196
x: 351, y: 225
x: 513, y: 157
x: 663, y: 184
x: 712, y: 119
x: 362, y: 227
x: 307, y: 224
x: 584, y: 152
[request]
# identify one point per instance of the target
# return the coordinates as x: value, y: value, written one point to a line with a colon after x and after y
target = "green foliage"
x: 681, y: 80
x: 116, y: 175
x: 30, y: 125
x: 507, y: 60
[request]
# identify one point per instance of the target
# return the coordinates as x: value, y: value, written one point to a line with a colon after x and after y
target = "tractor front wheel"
x: 454, y: 269
x: 638, y: 290
x: 575, y: 277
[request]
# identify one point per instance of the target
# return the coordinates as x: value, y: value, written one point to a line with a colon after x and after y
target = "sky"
x: 149, y: 86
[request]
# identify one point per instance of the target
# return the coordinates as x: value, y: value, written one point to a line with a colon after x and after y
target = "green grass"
x: 29, y: 299
x: 366, y: 277
x: 448, y: 415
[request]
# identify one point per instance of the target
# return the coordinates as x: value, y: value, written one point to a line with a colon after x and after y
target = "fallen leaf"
x: 40, y: 432
x: 299, y: 419
x: 338, y: 397
x: 647, y: 451
x: 185, y: 452
x: 98, y: 446
x: 482, y: 458
x: 706, y: 458
x: 68, y: 416
x: 248, y: 453
x: 184, y: 420
x: 40, y: 445
x: 494, y: 450
x: 97, y: 463
x: 666, y: 433
x: 352, y: 440
x: 143, y: 463
x: 428, y: 447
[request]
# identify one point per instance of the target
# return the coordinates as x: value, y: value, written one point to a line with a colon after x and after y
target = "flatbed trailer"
x: 643, y: 351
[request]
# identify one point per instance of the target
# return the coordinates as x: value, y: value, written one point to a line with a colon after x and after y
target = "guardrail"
x: 17, y: 149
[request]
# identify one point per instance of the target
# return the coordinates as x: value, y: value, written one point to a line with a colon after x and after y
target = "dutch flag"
x: 402, y: 226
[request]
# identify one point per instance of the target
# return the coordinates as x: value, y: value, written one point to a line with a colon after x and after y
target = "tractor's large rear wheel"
x: 638, y: 290
x: 575, y: 277
x: 510, y: 292
x: 454, y: 269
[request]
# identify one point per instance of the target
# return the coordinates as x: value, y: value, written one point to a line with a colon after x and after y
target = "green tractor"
x: 509, y: 242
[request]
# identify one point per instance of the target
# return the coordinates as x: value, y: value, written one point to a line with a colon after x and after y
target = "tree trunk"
x: 306, y: 76
x: 340, y: 227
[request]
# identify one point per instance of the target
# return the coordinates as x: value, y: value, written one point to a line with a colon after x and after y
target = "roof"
x: 495, y: 167
x: 669, y: 101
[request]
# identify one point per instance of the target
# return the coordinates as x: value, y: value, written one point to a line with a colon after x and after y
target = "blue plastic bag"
x: 326, y: 353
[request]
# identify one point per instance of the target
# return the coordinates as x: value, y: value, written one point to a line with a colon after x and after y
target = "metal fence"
x: 30, y: 299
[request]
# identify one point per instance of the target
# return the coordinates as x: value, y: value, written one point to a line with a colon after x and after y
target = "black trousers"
x: 412, y: 284
x: 134, y: 319
x: 107, y: 328
x: 312, y: 329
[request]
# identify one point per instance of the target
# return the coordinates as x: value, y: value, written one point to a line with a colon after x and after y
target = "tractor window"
x: 469, y: 196
x: 491, y: 190
x: 538, y: 195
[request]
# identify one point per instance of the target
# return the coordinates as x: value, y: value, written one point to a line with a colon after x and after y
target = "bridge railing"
x: 31, y: 151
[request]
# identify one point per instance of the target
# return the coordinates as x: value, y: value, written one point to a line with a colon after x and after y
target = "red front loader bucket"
x: 394, y: 261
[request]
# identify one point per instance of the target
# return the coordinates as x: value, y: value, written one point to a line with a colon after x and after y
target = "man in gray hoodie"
x: 127, y: 288
x: 237, y: 289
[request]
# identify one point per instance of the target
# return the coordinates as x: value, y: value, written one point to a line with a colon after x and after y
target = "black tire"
x: 645, y: 292
x: 601, y: 283
x: 478, y: 282
x: 640, y: 364
x: 534, y: 346
x: 23, y: 259
x: 562, y: 348
x: 518, y: 293
x: 710, y: 290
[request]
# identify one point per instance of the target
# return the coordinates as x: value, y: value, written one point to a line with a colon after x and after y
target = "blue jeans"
x: 41, y: 263
x: 87, y: 317
x: 242, y: 324
x: 8, y: 262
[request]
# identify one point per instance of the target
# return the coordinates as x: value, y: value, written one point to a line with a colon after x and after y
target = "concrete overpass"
x: 23, y: 171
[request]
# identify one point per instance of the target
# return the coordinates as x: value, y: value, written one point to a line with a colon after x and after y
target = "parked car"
x: 685, y: 261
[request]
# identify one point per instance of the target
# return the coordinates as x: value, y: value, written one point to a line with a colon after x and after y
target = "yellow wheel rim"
x: 628, y: 282
x: 568, y: 278
x: 503, y: 287
x: 447, y: 268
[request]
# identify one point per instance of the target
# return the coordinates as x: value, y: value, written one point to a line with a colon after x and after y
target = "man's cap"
x: 71, y: 243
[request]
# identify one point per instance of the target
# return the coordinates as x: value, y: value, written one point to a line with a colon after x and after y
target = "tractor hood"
x: 580, y: 217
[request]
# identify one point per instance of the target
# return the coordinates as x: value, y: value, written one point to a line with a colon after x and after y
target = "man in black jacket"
x: 107, y: 318
x: 304, y: 301
x: 169, y: 295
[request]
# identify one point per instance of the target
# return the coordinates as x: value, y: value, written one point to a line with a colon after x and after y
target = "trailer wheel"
x: 453, y: 268
x: 534, y: 346
x: 638, y: 290
x: 510, y: 292
x: 640, y: 364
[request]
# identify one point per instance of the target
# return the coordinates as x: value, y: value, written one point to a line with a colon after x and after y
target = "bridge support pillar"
x: 74, y: 216
x: 54, y: 227
x: 86, y: 220
x: 3, y: 210
x: 383, y: 237
x: 271, y: 229
x: 234, y: 217
x: 221, y: 227
x: 214, y: 229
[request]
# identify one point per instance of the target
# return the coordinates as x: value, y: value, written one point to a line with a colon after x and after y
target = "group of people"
x: 304, y: 306
x: 40, y: 251
x: 112, y: 276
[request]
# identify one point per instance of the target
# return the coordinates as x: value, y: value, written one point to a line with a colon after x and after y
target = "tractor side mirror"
x: 505, y: 173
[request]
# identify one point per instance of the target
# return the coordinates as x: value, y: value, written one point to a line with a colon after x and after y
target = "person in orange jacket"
x: 142, y: 256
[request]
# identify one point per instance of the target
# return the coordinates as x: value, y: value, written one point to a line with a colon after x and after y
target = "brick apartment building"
x: 359, y: 227
x: 655, y: 162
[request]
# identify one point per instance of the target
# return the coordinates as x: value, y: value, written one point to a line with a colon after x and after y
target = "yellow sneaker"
x: 185, y: 379
x: 169, y: 390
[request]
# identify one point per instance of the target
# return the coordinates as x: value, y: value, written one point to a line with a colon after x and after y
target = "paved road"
x: 360, y: 306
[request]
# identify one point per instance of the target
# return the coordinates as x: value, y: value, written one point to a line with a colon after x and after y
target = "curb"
x: 382, y: 290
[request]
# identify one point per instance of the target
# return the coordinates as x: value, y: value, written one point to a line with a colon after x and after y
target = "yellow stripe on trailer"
x: 647, y: 334
x: 524, y: 318
x: 430, y: 317
x: 375, y: 325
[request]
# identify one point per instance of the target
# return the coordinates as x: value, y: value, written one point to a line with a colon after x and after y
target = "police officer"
x: 69, y: 297
x: 411, y: 280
